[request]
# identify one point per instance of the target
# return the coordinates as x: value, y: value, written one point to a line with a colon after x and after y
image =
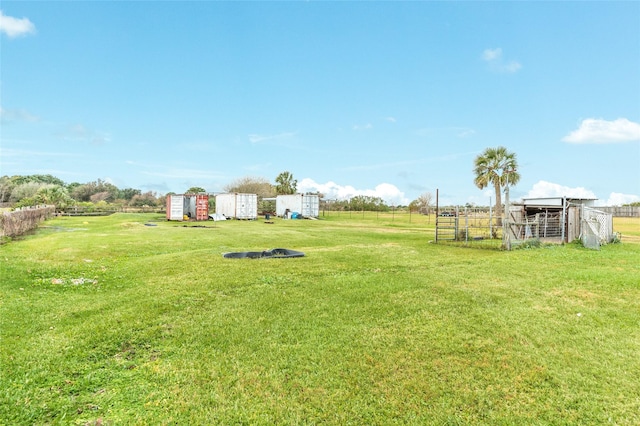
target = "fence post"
x: 466, y: 225
x: 506, y: 229
x: 564, y: 216
x: 490, y: 219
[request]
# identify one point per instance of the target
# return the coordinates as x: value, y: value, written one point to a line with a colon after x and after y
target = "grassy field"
x: 107, y: 320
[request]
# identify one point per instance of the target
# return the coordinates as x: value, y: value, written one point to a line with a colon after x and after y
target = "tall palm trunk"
x: 498, y: 203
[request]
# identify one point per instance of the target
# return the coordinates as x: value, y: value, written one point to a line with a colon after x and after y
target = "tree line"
x: 29, y: 190
x: 37, y: 189
x: 495, y: 167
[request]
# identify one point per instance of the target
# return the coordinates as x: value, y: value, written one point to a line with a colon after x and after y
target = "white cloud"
x: 257, y: 138
x: 14, y: 27
x: 492, y: 54
x: 618, y: 199
x: 79, y: 133
x: 8, y: 152
x: 367, y: 126
x: 544, y: 189
x: 511, y: 66
x: 390, y: 119
x: 594, y: 130
x: 331, y: 190
x: 497, y: 63
x: 10, y: 115
x: 465, y: 133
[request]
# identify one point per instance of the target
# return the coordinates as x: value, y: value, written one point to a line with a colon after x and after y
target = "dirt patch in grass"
x: 576, y: 297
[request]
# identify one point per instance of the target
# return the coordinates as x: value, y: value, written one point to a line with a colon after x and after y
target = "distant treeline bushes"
x: 31, y: 190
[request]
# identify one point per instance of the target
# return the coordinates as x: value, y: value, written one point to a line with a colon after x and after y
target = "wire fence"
x: 393, y: 215
x: 459, y: 226
x: 464, y: 226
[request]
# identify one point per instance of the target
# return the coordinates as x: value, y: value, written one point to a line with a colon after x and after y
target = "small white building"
x: 237, y: 205
x: 305, y: 205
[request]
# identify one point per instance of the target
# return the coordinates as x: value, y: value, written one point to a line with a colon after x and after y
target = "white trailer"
x: 237, y: 206
x: 304, y: 204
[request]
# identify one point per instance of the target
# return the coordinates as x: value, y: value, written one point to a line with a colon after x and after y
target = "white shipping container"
x: 286, y: 203
x: 192, y: 205
x: 237, y: 206
x: 225, y: 205
x: 310, y: 206
x: 175, y: 207
x: 304, y: 204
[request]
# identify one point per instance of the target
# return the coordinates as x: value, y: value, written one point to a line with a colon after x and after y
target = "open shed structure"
x: 188, y: 207
x: 559, y: 219
x: 306, y: 205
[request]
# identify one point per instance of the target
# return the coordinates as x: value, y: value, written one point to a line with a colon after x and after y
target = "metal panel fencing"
x: 469, y: 226
x: 546, y: 224
x: 596, y: 228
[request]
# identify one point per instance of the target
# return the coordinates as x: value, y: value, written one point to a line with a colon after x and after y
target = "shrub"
x: 18, y: 222
x: 529, y: 244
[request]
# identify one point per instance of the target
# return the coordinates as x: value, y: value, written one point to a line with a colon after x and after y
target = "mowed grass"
x: 109, y: 321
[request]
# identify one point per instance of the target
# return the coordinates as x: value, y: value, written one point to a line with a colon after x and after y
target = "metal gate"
x: 447, y: 226
x: 596, y: 228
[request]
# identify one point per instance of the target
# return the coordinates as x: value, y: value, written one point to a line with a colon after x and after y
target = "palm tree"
x: 55, y: 195
x: 497, y: 167
x: 286, y: 184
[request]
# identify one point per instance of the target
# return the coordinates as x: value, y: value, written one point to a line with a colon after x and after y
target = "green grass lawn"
x: 104, y: 320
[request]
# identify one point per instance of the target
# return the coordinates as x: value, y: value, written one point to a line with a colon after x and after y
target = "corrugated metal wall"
x: 237, y: 205
x: 306, y: 205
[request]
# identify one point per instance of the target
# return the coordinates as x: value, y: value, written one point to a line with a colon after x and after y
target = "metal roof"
x: 554, y: 201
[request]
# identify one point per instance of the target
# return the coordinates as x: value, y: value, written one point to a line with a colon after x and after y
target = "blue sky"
x: 390, y: 99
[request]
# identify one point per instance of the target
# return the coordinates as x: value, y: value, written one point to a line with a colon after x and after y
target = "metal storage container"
x: 202, y: 207
x: 304, y: 204
x: 237, y: 205
x: 193, y: 206
x: 175, y: 207
x: 310, y: 206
